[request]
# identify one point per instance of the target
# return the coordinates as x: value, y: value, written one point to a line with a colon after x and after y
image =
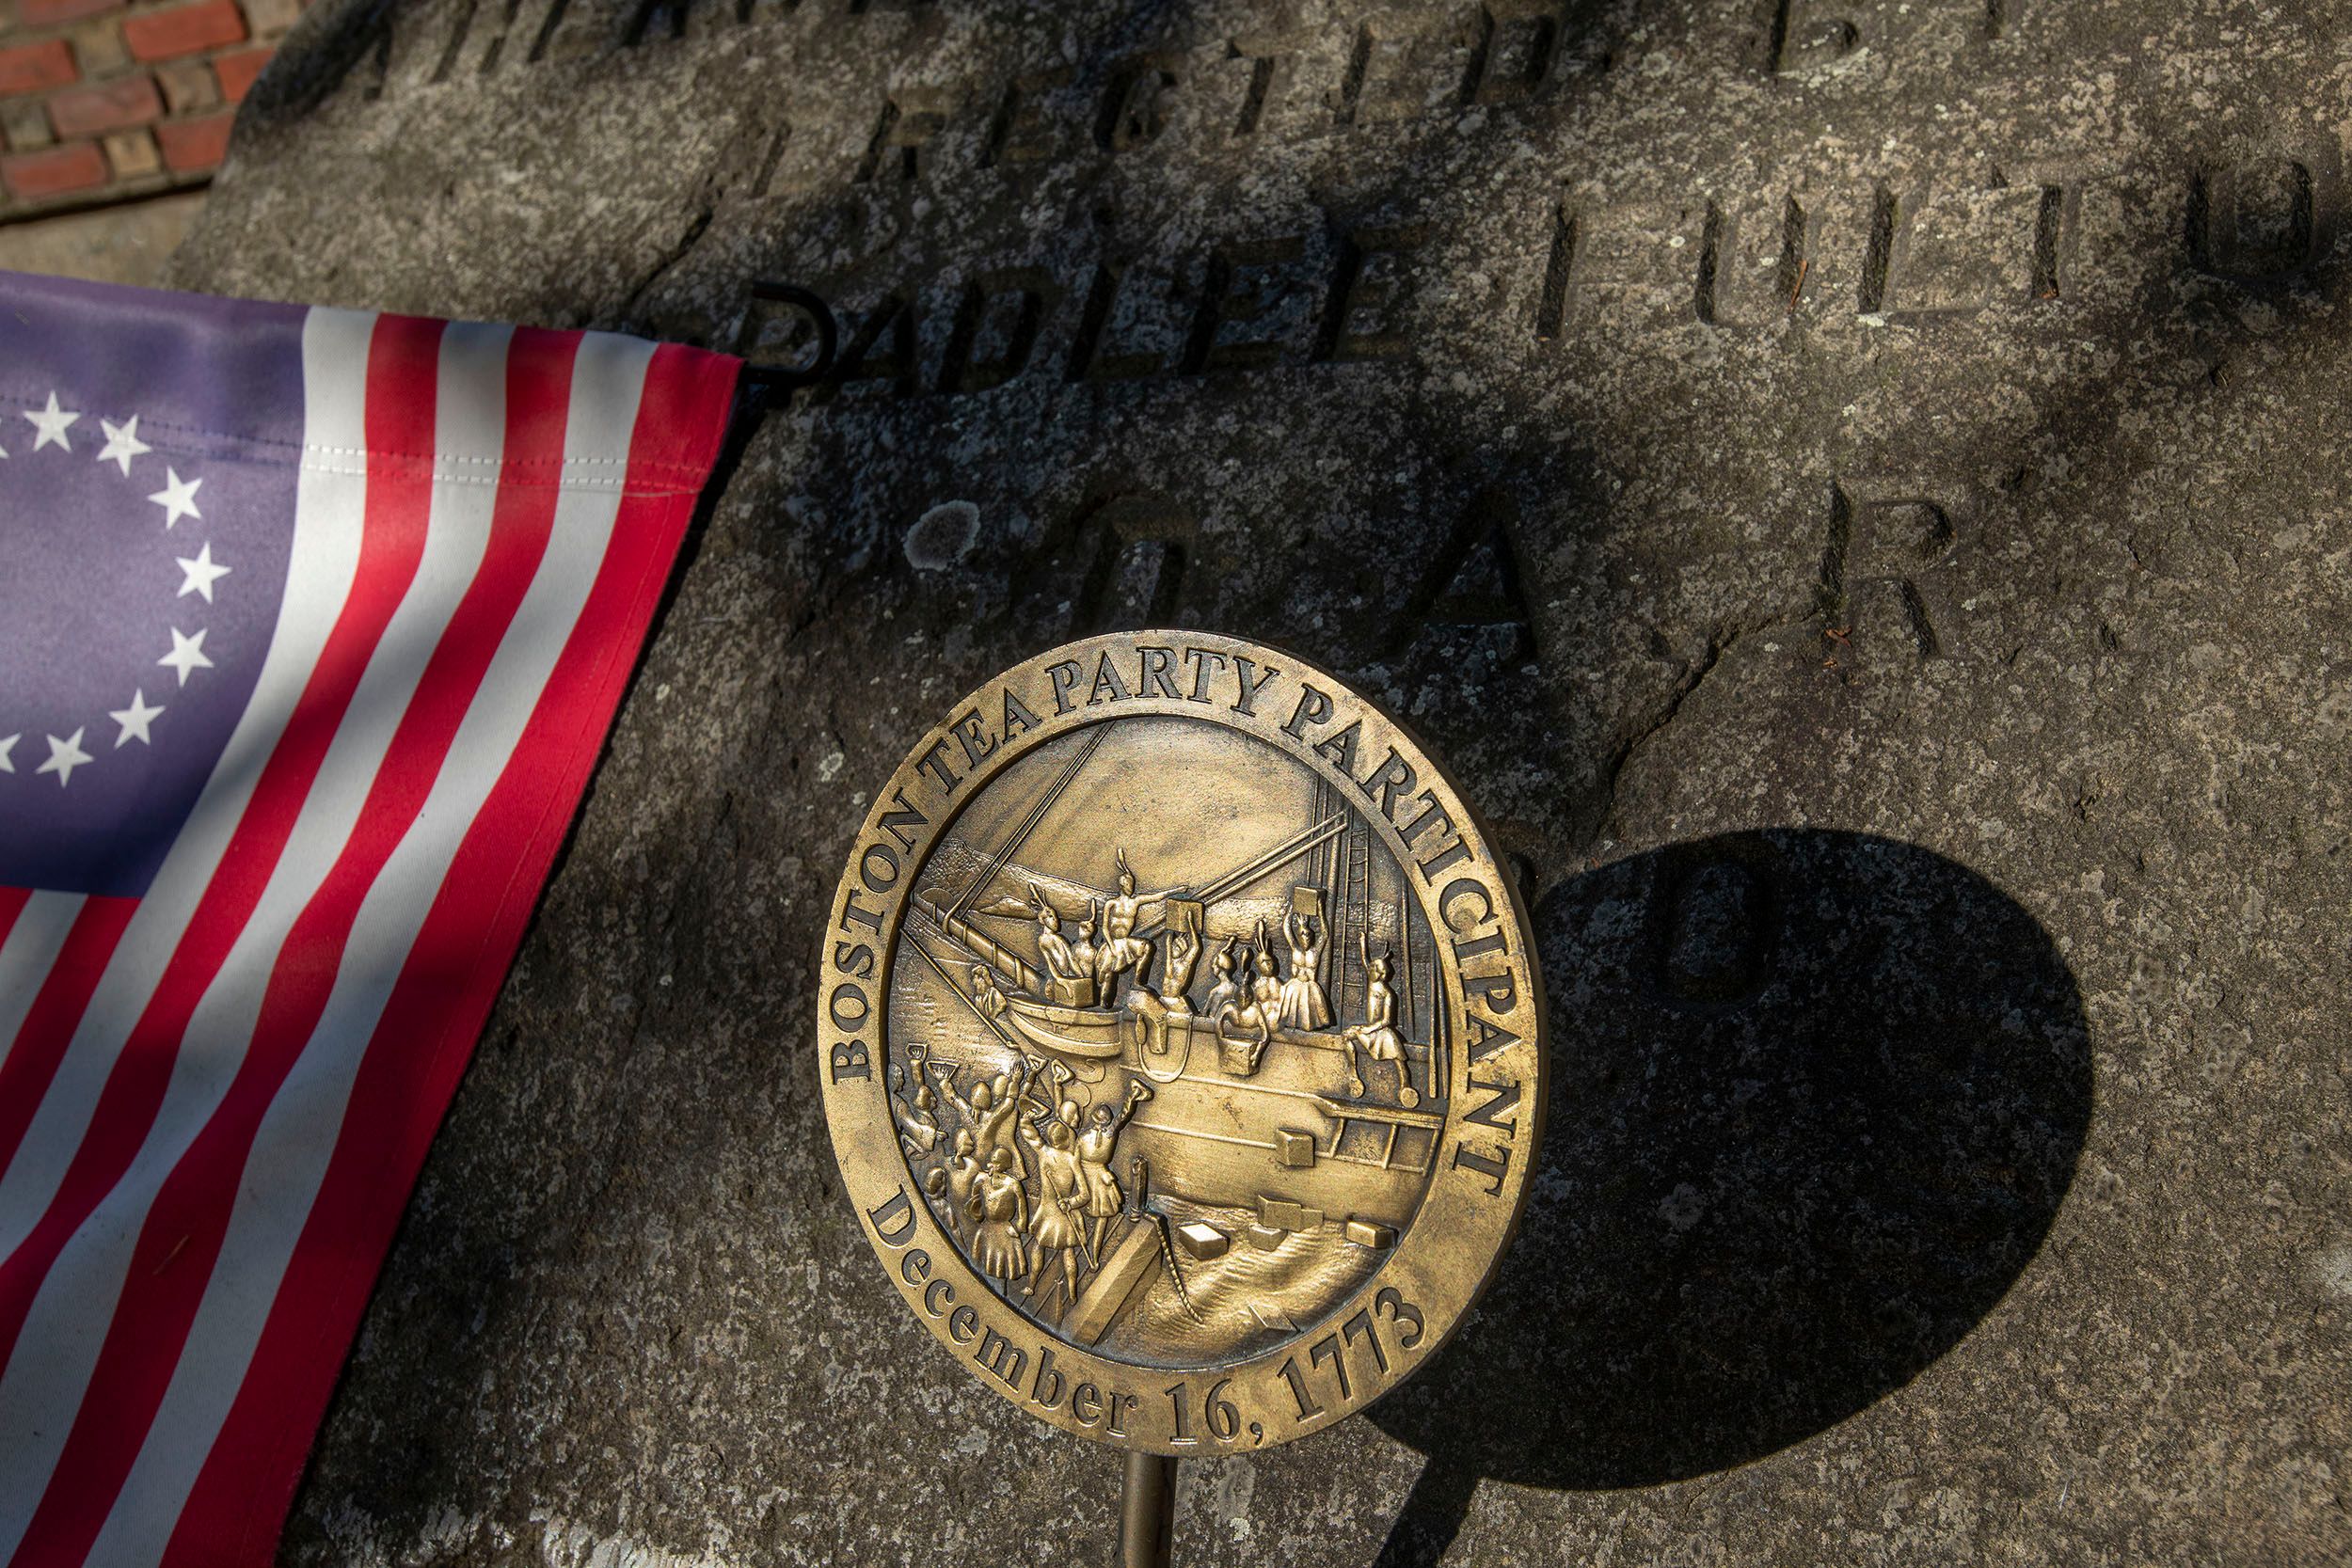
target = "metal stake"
x: 1147, y: 1510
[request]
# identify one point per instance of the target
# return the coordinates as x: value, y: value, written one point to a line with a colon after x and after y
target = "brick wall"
x: 106, y: 101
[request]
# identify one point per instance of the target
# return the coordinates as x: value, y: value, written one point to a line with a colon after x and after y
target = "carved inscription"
x: 1920, y: 250
x: 899, y: 147
x: 1135, y: 108
x: 1714, y: 923
x: 1891, y: 547
x: 1754, y: 261
x: 1519, y: 51
x: 1019, y: 132
x: 998, y: 317
x: 1134, y: 576
x: 1817, y: 36
x: 1499, y: 54
x: 1638, y: 262
x: 1404, y: 68
x: 1472, y: 583
x: 2267, y: 215
x: 1950, y: 253
x: 1133, y: 559
x: 1352, y: 293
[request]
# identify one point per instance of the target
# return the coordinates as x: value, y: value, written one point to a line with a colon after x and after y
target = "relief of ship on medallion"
x: 1168, y: 1048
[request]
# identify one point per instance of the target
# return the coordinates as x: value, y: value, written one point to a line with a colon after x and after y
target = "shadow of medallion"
x: 1816, y: 1098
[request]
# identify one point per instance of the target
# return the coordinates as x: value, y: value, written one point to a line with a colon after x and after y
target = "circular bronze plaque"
x: 1179, y: 1040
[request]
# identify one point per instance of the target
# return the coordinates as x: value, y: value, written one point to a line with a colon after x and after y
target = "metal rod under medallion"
x: 1147, y: 1510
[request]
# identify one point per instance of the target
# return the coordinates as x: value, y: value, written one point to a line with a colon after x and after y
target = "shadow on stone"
x: 1817, y: 1096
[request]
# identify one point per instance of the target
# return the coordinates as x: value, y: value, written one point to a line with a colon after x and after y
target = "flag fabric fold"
x: 311, y: 624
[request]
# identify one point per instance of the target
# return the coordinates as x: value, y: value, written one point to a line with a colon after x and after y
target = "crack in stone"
x: 706, y: 209
x: 1719, y: 644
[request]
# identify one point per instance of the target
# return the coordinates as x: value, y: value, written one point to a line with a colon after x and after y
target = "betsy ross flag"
x: 311, y: 623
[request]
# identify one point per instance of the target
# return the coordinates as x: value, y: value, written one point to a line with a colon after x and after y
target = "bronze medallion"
x: 1180, y: 1042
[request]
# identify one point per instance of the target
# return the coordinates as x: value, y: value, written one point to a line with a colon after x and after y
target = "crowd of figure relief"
x: 1021, y: 1164
x: 1023, y: 1181
x: 1250, y: 998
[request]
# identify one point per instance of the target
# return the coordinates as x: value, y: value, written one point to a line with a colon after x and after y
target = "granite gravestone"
x: 1857, y: 488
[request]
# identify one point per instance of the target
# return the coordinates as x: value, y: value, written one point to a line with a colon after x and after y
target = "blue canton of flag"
x: 146, y: 511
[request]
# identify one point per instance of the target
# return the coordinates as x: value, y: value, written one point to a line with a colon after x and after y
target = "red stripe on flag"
x: 26, y: 1067
x: 403, y: 358
x: 12, y: 902
x: 444, y: 993
x: 180, y: 1239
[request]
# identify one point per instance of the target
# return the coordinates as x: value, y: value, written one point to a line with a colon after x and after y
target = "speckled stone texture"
x: 1858, y: 490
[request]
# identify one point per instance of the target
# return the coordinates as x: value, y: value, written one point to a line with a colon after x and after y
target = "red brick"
x: 184, y: 29
x: 195, y: 144
x: 237, y: 70
x: 36, y: 66
x: 114, y: 106
x: 76, y: 166
x: 56, y: 13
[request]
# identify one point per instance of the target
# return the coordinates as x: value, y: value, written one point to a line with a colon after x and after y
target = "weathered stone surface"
x: 1858, y: 488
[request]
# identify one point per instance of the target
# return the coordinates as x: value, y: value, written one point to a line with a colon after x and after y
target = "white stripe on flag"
x: 320, y: 568
x: 298, y: 1134
x: 32, y: 946
x: 75, y: 1306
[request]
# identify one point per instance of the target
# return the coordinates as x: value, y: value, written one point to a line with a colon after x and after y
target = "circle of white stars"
x: 200, y: 573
